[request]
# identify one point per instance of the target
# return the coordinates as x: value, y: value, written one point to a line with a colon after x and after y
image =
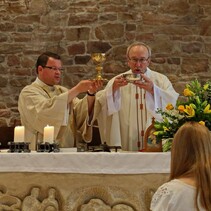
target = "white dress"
x: 174, y: 196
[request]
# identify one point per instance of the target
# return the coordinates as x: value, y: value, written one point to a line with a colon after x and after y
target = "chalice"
x: 98, y: 59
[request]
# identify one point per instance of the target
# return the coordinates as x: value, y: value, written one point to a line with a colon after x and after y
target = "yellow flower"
x: 157, y: 133
x: 206, y: 86
x: 187, y: 92
x: 194, y: 105
x: 202, y: 123
x: 189, y: 110
x: 169, y: 106
x: 181, y: 108
x: 207, y: 109
x: 165, y: 128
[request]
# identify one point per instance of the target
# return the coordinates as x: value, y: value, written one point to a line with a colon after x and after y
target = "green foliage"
x: 194, y: 105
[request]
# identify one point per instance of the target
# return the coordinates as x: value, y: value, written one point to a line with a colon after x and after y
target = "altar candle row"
x: 48, y: 136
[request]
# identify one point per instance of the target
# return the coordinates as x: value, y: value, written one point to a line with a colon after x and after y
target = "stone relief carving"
x: 50, y: 203
x: 96, y: 198
x: 102, y: 198
x: 95, y: 205
x: 31, y: 202
x: 9, y: 202
x: 99, y: 205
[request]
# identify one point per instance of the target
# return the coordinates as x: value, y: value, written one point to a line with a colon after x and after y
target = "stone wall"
x: 178, y: 31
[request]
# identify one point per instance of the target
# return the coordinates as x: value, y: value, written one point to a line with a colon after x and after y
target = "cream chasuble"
x: 126, y: 117
x: 40, y: 105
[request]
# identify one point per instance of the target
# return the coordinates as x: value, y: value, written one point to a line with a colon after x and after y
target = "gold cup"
x: 98, y: 59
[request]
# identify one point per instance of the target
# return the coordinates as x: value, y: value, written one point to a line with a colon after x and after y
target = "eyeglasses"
x: 54, y: 68
x: 135, y: 60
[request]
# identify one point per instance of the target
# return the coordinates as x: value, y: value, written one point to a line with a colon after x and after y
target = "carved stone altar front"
x: 73, y: 192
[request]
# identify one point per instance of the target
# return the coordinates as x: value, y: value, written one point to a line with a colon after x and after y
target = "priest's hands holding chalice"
x: 145, y: 84
x: 89, y: 86
x: 124, y: 79
x: 96, y: 84
x: 93, y: 85
x: 119, y: 81
x: 140, y: 80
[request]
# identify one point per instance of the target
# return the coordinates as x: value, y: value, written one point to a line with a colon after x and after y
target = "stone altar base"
x: 74, y: 192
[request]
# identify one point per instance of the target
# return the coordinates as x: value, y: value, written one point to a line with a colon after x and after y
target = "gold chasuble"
x: 41, y: 105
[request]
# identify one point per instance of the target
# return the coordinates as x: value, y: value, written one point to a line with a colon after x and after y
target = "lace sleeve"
x: 161, y: 198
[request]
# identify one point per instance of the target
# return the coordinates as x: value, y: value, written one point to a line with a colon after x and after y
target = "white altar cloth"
x: 86, y: 162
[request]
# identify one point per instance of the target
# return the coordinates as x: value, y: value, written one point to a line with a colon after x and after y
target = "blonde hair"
x: 191, y: 157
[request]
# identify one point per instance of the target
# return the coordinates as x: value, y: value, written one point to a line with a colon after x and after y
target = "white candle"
x: 19, y: 134
x: 48, y: 134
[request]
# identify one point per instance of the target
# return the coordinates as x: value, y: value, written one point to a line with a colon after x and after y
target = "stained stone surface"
x: 74, y: 192
x: 178, y: 32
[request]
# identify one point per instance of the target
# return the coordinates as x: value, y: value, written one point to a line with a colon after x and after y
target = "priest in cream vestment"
x: 44, y: 102
x: 132, y: 105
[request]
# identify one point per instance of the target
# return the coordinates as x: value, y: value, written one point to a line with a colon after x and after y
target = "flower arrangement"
x: 195, y: 105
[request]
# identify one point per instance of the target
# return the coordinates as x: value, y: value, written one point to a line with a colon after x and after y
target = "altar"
x: 72, y: 181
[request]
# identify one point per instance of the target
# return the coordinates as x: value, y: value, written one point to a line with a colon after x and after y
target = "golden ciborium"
x: 98, y: 59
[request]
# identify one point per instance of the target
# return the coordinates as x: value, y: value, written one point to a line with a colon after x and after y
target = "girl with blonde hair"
x: 189, y: 187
